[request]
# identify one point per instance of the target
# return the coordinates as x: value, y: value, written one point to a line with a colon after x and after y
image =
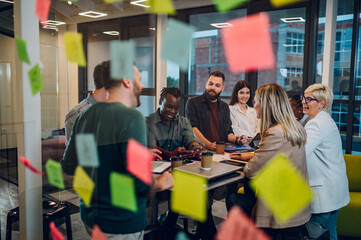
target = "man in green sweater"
x: 113, y: 122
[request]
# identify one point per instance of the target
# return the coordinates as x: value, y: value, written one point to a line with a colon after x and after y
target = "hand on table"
x: 211, y: 145
x: 157, y: 154
x: 242, y: 156
x: 241, y: 140
x: 163, y: 182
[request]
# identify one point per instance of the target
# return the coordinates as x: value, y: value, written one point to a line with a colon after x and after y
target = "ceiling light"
x: 293, y: 45
x: 152, y: 29
x: 53, y: 23
x: 221, y: 25
x: 113, y: 33
x: 93, y: 14
x: 293, y: 19
x: 138, y: 3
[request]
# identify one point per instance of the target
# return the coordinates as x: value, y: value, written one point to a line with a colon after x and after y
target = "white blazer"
x: 326, y: 165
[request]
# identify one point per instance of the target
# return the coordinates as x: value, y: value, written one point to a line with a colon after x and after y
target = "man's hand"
x: 179, y: 151
x: 157, y: 154
x: 163, y: 182
x: 241, y: 140
x: 211, y: 145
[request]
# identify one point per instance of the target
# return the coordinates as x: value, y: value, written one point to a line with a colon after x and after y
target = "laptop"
x: 218, y: 170
x: 251, y: 146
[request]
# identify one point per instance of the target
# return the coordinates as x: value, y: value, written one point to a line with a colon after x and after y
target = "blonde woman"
x: 280, y: 132
x: 325, y: 162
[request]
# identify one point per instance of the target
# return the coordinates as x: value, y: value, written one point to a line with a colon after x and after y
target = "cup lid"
x: 220, y: 142
x: 175, y: 158
x: 206, y: 154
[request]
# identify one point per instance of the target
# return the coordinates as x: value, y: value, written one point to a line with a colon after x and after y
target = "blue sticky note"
x: 176, y: 46
x: 86, y: 150
x: 181, y: 236
x: 122, y: 56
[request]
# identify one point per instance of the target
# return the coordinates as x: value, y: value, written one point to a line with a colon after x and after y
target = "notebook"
x: 160, y: 166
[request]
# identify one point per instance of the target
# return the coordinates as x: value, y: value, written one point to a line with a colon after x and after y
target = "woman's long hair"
x: 276, y: 109
x: 239, y: 85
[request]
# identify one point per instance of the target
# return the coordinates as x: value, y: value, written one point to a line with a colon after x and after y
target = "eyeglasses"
x: 307, y: 99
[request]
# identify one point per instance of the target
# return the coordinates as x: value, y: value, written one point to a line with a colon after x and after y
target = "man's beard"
x: 212, y: 97
x: 137, y: 92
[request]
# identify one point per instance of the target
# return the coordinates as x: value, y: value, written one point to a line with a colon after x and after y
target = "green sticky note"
x: 189, y: 195
x: 55, y: 174
x: 175, y: 46
x: 226, y: 5
x: 36, y: 81
x: 281, y: 3
x: 181, y: 236
x: 122, y: 191
x: 74, y: 48
x: 22, y: 53
x: 122, y: 57
x: 282, y: 188
x: 83, y: 185
x: 161, y: 7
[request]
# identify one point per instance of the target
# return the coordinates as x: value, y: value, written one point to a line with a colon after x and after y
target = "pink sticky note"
x: 55, y: 232
x: 97, y: 234
x: 27, y: 163
x: 139, y: 161
x: 248, y: 44
x: 238, y: 226
x: 42, y: 10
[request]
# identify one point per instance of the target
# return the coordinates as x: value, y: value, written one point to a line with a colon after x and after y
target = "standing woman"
x: 280, y: 132
x: 325, y: 162
x: 243, y: 117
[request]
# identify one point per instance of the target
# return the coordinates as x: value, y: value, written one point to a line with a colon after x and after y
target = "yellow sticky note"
x: 74, y: 48
x: 189, y: 195
x: 112, y: 1
x: 83, y: 185
x: 161, y: 7
x: 282, y: 188
x: 281, y: 3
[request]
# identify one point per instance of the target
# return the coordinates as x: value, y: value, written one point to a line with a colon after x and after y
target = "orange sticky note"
x: 74, y: 48
x: 97, y: 234
x: 281, y: 3
x: 55, y: 232
x: 238, y: 226
x: 247, y: 44
x: 282, y: 188
x: 161, y: 7
x: 83, y: 185
x: 189, y: 195
x: 139, y: 161
x: 42, y: 10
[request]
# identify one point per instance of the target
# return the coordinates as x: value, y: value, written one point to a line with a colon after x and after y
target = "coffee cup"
x: 175, y: 161
x: 206, y: 160
x: 220, y: 146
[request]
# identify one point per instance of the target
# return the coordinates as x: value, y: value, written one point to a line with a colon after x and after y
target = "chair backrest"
x: 353, y: 169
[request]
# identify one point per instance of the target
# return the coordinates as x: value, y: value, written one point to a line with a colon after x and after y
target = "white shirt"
x: 244, y: 124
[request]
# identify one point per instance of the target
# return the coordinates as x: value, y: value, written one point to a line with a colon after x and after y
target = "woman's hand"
x: 242, y: 156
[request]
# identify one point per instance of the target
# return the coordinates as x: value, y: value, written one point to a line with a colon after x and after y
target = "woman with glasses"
x: 244, y: 117
x: 280, y: 132
x: 325, y: 162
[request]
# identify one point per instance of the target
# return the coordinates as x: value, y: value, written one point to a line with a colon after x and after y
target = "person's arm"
x: 163, y: 182
x: 70, y: 161
x: 69, y: 122
x: 189, y: 140
x: 205, y: 141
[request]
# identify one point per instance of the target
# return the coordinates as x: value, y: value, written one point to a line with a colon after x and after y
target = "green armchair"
x: 349, y: 217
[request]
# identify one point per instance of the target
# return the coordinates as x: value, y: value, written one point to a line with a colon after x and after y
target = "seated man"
x: 170, y: 133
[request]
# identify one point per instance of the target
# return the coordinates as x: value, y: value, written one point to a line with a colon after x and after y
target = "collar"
x: 90, y: 99
x: 157, y: 117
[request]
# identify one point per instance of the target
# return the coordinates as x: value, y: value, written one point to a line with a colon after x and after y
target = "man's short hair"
x: 175, y: 92
x: 108, y: 81
x: 217, y: 74
x: 98, y: 76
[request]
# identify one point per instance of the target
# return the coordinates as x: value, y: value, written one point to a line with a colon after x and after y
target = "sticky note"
x: 55, y: 233
x: 22, y: 53
x: 55, y: 174
x: 122, y: 191
x: 181, y: 236
x: 122, y: 56
x: 281, y: 3
x: 175, y: 46
x: 74, y: 48
x: 247, y: 44
x: 189, y: 195
x: 139, y: 161
x: 83, y: 185
x: 42, y: 10
x: 239, y: 226
x: 226, y: 5
x: 97, y: 234
x: 282, y: 188
x: 86, y: 150
x: 27, y: 163
x: 112, y: 1
x: 36, y: 81
x: 161, y: 7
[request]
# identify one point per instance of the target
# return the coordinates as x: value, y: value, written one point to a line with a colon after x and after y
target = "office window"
x: 295, y: 43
